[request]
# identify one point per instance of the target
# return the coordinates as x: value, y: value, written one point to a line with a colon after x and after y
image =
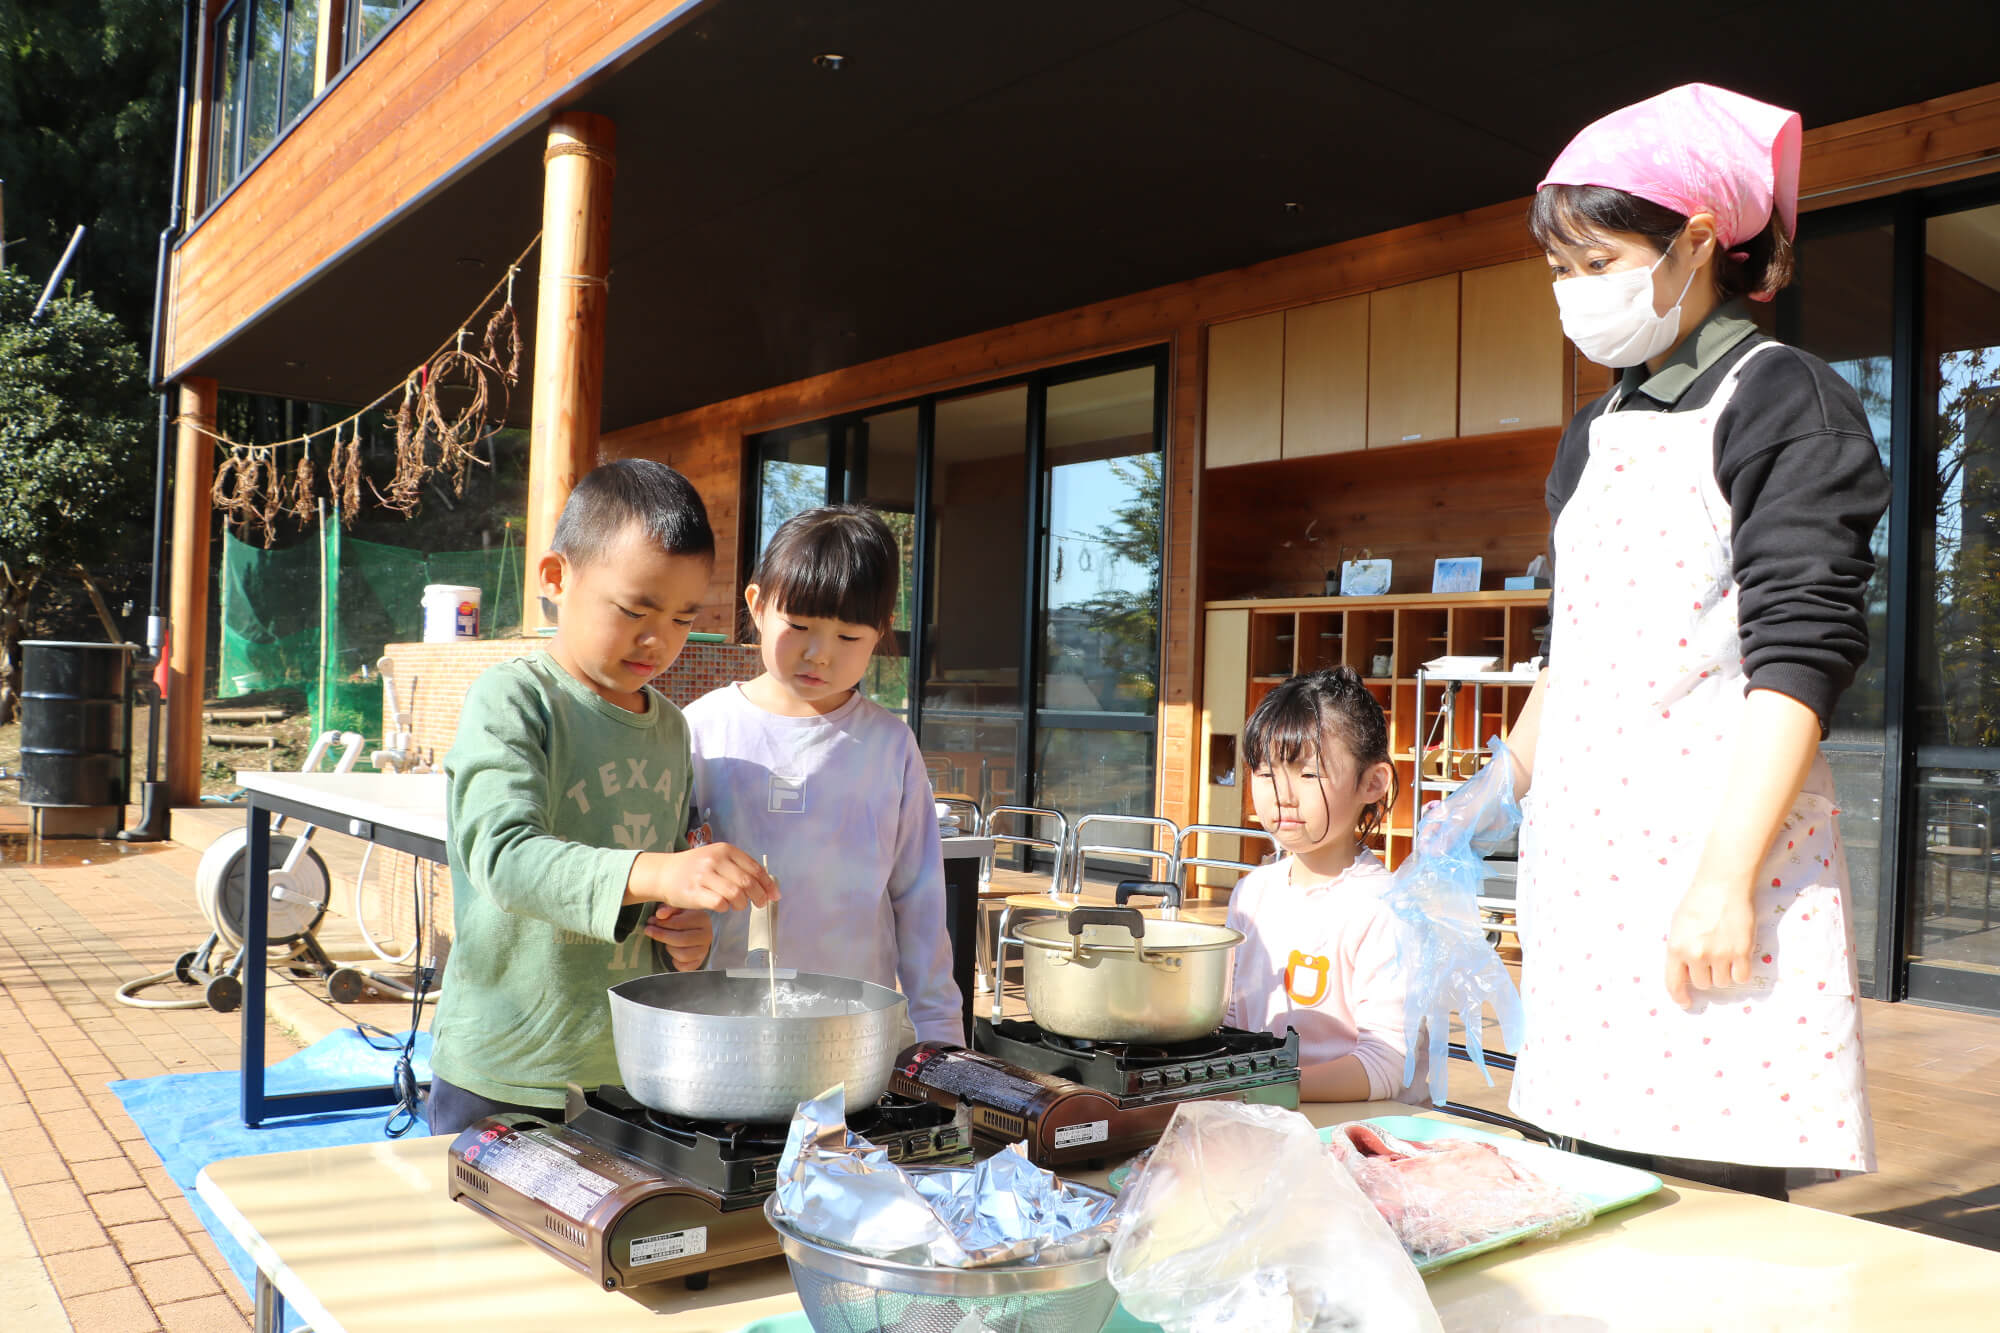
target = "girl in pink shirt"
x: 1319, y: 948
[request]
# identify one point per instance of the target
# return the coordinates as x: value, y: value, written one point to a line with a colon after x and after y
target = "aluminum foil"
x: 837, y: 1187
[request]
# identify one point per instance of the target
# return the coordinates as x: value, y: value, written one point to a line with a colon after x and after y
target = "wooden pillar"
x: 569, y: 322
x: 187, y: 617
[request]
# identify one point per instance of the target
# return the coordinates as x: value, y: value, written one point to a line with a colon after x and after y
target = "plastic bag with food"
x: 1239, y: 1219
x: 838, y: 1187
x: 1445, y: 960
x: 1449, y: 1193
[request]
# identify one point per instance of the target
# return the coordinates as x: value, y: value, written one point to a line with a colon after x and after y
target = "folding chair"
x: 989, y: 953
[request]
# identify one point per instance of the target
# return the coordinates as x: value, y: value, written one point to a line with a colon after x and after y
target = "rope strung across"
x: 252, y: 490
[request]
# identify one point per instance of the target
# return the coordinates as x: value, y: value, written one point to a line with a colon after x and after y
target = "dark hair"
x: 1573, y: 214
x: 612, y: 497
x: 1290, y: 721
x: 838, y: 562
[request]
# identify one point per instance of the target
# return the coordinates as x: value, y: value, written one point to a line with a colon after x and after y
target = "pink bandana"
x: 1695, y: 148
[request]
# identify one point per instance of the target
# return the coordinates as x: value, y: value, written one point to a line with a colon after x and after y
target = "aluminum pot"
x: 1109, y: 974
x: 701, y: 1044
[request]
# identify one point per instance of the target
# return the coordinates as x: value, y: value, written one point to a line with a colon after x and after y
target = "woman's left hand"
x: 1709, y: 942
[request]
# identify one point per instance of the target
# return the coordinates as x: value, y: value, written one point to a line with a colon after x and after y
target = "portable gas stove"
x: 627, y: 1195
x: 1079, y: 1101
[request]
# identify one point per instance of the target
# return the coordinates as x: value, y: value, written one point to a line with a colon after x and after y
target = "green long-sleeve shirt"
x: 553, y: 792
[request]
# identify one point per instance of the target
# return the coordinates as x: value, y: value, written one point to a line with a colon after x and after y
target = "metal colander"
x: 846, y: 1292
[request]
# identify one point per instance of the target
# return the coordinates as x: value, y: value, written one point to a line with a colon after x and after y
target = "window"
x: 369, y: 19
x: 265, y: 58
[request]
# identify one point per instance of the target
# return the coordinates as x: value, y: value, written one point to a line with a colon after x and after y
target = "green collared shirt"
x: 1727, y: 325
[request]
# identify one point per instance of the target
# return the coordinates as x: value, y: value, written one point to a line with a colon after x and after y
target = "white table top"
x: 410, y: 802
x: 363, y: 1239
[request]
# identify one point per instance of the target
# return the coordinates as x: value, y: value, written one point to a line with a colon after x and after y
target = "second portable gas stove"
x: 626, y: 1195
x: 1079, y: 1101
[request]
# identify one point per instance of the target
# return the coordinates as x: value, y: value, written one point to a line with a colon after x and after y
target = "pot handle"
x: 1168, y: 892
x: 1128, y: 917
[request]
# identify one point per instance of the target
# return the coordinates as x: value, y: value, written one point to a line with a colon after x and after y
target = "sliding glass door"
x: 1953, y: 910
x: 1031, y: 515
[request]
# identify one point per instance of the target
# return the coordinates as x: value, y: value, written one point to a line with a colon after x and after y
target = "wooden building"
x: 1147, y: 314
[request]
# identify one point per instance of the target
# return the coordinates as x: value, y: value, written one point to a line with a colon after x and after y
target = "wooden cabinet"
x: 1251, y: 647
x: 1464, y: 354
x: 1510, y: 350
x: 1413, y: 362
x: 1326, y: 378
x: 1246, y: 387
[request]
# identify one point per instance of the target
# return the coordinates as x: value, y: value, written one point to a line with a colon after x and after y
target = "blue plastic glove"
x: 1442, y: 952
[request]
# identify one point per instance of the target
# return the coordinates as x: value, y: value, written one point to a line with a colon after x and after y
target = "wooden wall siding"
x: 434, y: 92
x: 1275, y: 529
x: 1944, y: 139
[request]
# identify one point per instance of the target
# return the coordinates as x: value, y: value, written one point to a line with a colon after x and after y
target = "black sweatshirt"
x: 1798, y: 463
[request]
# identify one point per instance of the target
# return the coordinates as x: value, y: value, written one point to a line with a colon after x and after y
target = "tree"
x: 74, y: 469
x: 1127, y: 622
x: 86, y: 136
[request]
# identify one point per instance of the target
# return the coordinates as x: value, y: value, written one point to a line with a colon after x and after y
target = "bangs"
x: 836, y: 563
x: 1286, y: 727
x: 825, y: 590
x: 1576, y: 215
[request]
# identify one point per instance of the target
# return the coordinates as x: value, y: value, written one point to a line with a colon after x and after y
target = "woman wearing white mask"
x: 1689, y: 972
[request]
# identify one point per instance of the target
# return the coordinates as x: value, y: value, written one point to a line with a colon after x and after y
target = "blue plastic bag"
x: 1447, y: 964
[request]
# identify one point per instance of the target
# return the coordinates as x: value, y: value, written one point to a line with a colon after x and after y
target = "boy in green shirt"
x: 566, y: 810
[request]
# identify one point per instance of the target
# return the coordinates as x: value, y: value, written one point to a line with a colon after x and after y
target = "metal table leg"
x: 269, y: 1314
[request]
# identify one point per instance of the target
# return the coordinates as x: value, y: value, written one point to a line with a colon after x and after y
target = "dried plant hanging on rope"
x: 448, y: 403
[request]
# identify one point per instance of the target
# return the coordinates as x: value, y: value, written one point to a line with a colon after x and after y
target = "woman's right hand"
x: 715, y: 878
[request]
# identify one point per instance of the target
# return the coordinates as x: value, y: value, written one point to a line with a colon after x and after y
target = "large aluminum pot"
x: 703, y: 1044
x: 1109, y: 974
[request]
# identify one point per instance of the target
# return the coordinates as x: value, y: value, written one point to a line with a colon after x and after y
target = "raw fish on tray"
x: 1447, y: 1194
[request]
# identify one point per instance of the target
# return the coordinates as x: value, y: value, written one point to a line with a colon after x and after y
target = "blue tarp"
x: 194, y: 1119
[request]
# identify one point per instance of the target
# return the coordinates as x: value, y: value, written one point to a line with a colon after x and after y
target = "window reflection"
x: 1957, y: 667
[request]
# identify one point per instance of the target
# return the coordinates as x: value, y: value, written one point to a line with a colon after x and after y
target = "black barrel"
x: 76, y: 723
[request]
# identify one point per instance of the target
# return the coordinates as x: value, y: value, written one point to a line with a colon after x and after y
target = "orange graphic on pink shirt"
x: 1311, y: 970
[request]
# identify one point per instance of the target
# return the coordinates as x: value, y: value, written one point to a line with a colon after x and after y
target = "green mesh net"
x: 313, y: 616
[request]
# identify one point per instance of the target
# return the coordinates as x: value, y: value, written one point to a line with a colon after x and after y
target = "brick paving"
x: 116, y: 1238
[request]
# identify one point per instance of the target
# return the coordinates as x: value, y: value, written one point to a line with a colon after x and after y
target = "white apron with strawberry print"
x: 1645, y: 693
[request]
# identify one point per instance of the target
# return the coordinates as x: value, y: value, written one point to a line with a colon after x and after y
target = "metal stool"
x: 1079, y: 849
x: 989, y: 953
x: 1182, y: 860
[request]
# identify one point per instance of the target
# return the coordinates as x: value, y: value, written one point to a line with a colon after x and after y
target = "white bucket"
x: 451, y: 612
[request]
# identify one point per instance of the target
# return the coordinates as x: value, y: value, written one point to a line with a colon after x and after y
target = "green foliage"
x: 86, y: 136
x: 73, y: 473
x: 73, y: 407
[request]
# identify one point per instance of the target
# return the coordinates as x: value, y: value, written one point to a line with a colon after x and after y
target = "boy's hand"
x: 687, y: 934
x: 715, y: 878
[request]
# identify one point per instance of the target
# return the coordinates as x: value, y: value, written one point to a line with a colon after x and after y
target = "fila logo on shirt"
x: 788, y: 795
x: 1307, y: 970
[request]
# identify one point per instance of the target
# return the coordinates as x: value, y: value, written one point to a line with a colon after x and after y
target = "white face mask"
x: 1610, y: 318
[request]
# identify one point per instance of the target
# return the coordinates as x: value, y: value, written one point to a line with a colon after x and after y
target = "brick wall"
x: 431, y: 681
